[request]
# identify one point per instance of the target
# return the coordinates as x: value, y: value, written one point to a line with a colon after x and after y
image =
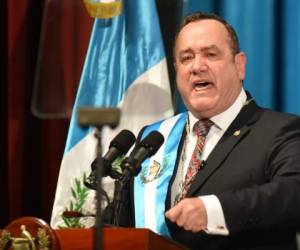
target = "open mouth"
x: 202, y: 85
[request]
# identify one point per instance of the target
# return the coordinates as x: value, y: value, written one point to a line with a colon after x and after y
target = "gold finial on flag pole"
x: 103, y: 9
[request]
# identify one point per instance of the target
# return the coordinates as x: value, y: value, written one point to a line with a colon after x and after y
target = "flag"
x: 125, y: 67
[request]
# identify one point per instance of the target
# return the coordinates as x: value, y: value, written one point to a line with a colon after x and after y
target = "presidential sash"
x: 151, y: 185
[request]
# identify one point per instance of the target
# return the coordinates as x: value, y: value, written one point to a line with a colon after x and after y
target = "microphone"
x: 118, y: 146
x: 146, y: 148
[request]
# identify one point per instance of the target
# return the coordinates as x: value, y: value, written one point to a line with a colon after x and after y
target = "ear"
x: 240, y: 62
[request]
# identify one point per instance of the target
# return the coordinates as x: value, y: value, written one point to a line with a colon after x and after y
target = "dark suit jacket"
x: 256, y: 176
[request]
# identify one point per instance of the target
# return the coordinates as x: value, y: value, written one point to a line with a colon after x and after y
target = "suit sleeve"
x: 275, y: 203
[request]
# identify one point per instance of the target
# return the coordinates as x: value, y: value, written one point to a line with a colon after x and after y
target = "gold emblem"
x: 237, y: 133
x: 154, y: 170
x: 25, y: 241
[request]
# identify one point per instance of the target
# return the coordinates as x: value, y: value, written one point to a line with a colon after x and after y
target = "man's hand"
x: 190, y: 213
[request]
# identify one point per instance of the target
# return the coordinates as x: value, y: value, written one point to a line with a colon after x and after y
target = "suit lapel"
x: 238, y: 130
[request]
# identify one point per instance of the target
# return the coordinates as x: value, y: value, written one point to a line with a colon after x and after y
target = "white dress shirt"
x: 215, y: 217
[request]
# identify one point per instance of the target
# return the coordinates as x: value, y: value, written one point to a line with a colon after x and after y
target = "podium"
x: 30, y: 230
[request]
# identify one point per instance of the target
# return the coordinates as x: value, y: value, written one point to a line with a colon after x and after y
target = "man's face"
x: 209, y: 77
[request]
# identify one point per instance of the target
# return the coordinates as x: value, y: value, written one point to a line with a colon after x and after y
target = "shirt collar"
x: 224, y: 119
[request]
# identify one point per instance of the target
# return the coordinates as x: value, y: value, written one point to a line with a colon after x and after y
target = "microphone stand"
x: 98, y: 223
x: 98, y: 117
x: 120, y: 193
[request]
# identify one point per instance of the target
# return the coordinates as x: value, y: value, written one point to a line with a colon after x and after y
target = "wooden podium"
x: 30, y: 230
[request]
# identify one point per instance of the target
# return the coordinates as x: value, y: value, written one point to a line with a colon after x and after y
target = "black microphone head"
x: 123, y: 141
x: 146, y: 148
x: 152, y: 142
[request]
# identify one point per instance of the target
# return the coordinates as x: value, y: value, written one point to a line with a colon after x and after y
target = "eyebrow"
x: 210, y: 47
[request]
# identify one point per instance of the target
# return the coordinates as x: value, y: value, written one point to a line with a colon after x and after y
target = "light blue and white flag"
x: 125, y: 67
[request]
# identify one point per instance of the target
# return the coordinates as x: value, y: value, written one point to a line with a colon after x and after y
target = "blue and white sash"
x: 151, y: 185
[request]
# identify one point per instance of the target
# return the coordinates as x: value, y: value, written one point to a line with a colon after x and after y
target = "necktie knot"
x: 202, y: 127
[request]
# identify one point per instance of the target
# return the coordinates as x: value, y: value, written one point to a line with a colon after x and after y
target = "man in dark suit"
x: 245, y: 192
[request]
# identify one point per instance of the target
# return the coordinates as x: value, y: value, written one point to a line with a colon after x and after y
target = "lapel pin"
x: 237, y: 133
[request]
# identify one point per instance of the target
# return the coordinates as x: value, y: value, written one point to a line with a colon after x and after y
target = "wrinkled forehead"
x: 203, y: 32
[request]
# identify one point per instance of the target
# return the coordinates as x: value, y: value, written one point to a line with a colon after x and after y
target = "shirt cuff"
x: 215, y: 217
